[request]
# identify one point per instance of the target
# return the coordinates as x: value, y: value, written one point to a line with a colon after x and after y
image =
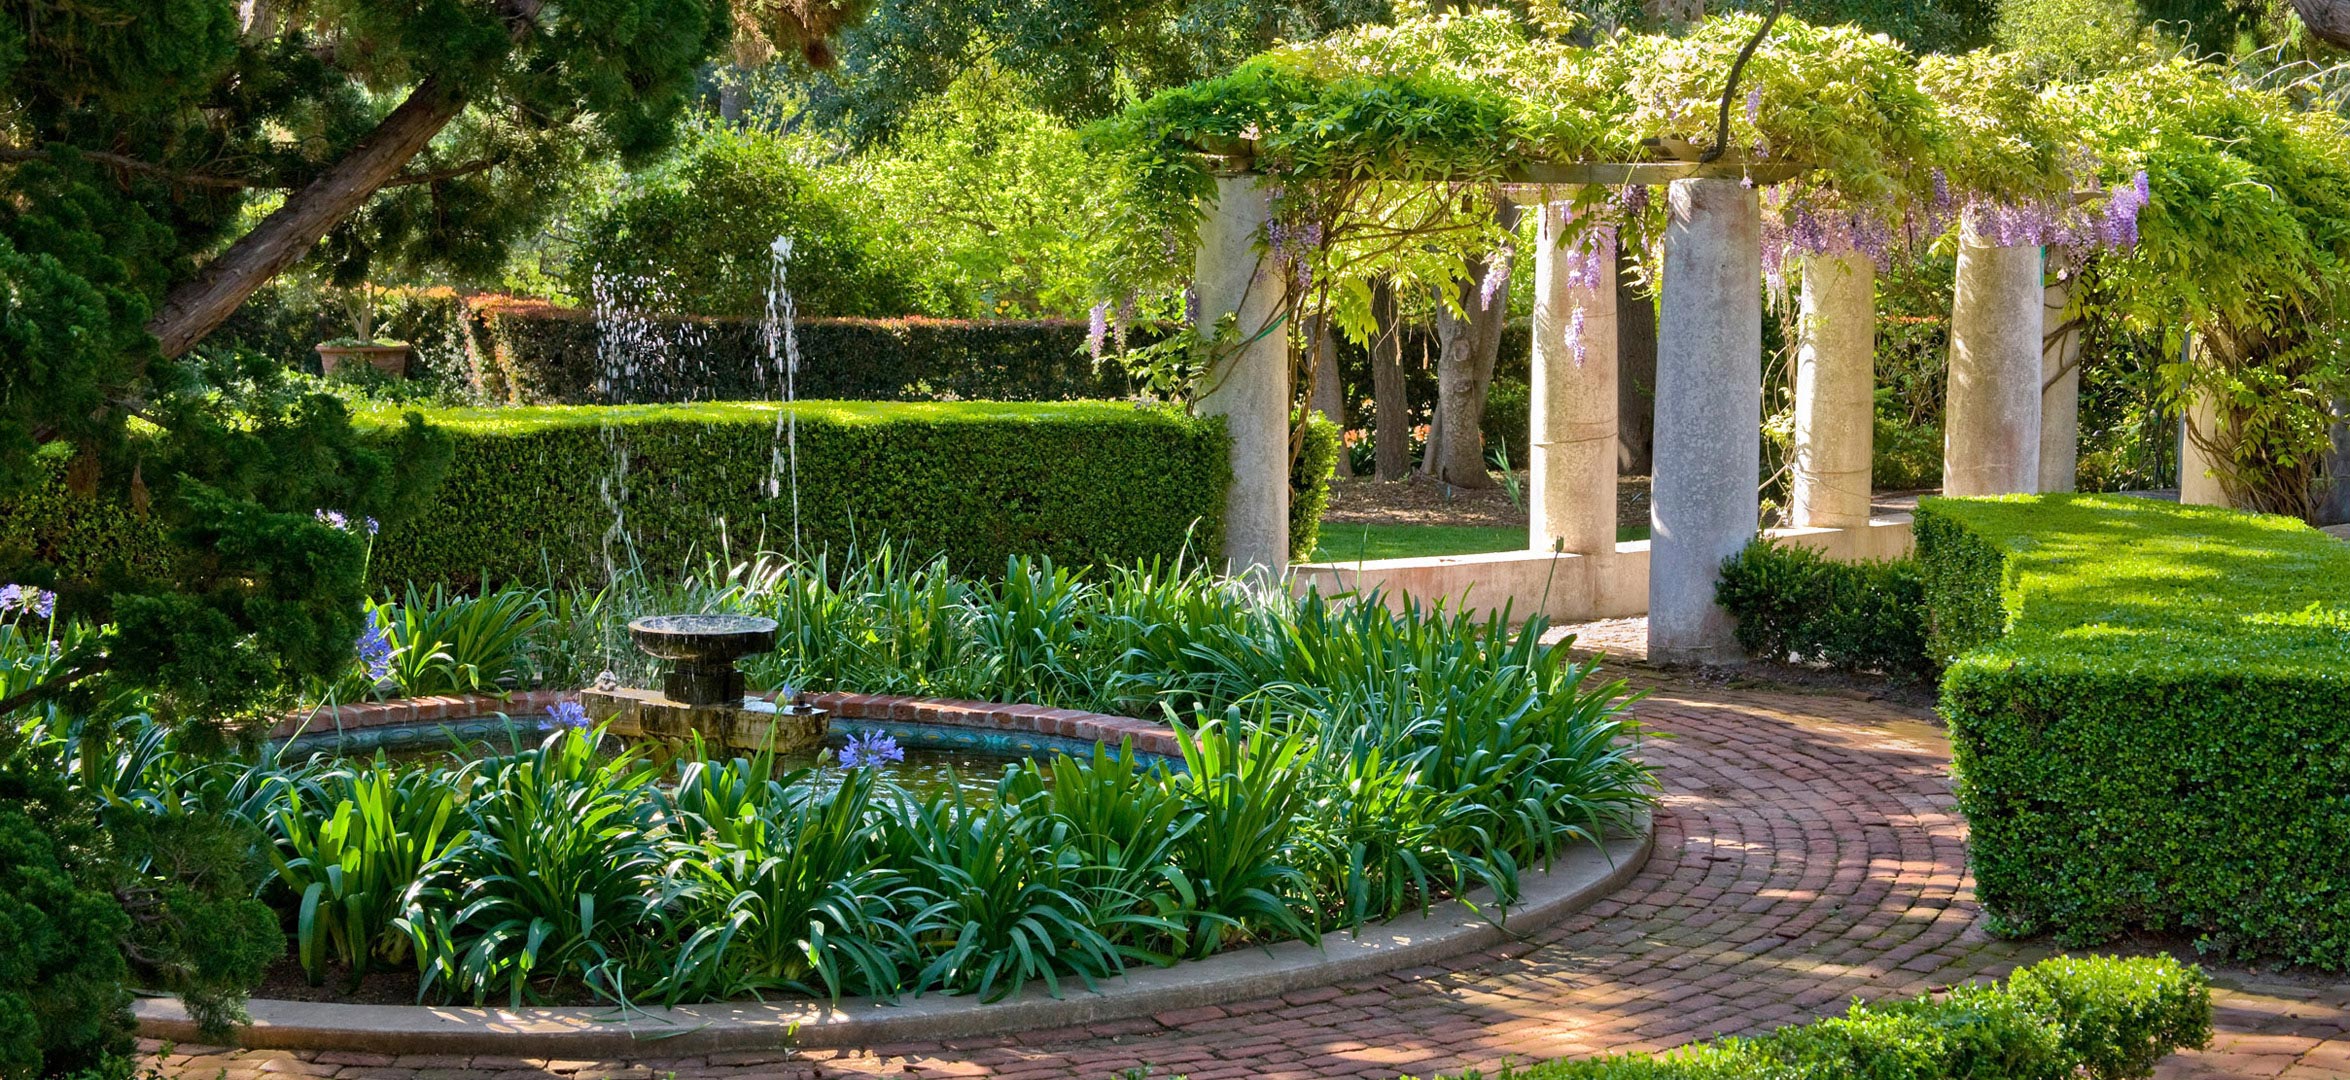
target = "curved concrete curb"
x: 1574, y: 882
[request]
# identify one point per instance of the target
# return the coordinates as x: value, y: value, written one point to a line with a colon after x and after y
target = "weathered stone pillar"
x: 2060, y: 390
x: 1703, y: 507
x: 1250, y: 386
x: 2198, y: 481
x: 1573, y: 466
x: 1836, y: 391
x: 1991, y: 433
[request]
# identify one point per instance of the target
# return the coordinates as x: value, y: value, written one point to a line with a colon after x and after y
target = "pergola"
x: 2006, y: 391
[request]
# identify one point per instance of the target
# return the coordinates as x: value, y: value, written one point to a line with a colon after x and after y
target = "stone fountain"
x: 703, y: 692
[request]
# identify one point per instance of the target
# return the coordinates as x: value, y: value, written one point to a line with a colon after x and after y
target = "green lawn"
x: 1362, y: 543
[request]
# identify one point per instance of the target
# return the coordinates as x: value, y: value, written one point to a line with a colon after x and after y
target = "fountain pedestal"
x: 747, y: 725
x: 703, y: 694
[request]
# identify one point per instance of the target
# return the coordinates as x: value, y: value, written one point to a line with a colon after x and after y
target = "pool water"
x: 939, y: 759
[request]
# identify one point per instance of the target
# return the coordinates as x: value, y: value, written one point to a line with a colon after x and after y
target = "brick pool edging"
x: 1574, y: 881
x: 1148, y: 737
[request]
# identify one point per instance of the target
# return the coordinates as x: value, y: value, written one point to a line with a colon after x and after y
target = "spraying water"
x: 781, y: 333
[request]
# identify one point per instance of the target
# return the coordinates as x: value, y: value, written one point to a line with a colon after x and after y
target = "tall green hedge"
x: 2070, y: 1018
x: 544, y: 355
x: 532, y: 494
x: 2149, y: 708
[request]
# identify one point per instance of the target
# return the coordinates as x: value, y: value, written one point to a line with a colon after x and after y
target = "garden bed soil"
x: 1418, y: 500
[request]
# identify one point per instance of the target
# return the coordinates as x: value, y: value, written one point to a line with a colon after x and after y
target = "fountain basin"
x: 704, y: 649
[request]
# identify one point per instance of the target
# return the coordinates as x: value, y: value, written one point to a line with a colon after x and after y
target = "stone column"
x: 1836, y: 391
x: 2060, y: 390
x: 1573, y: 466
x: 1991, y: 432
x: 1249, y: 387
x: 2198, y: 482
x: 1703, y: 506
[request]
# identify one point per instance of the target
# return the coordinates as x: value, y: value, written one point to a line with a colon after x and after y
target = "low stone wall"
x: 1563, y: 587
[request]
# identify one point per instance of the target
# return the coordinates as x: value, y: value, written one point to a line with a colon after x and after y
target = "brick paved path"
x: 1807, y: 852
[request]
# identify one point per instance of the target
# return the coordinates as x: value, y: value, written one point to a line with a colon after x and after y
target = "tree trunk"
x: 2329, y: 20
x: 1466, y: 350
x: 1329, y: 392
x: 1392, y: 413
x: 1635, y: 372
x: 197, y: 307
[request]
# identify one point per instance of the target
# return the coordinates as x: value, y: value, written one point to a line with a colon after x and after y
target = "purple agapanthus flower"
x: 371, y: 526
x: 566, y: 715
x: 870, y: 749
x: 334, y: 518
x: 11, y: 595
x: 45, y: 603
x: 375, y: 651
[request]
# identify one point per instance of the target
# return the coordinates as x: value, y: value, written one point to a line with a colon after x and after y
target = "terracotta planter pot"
x: 392, y: 360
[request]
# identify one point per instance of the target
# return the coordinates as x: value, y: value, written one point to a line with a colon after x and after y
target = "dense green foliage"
x: 531, y: 496
x: 1343, y: 764
x: 2096, y: 1018
x: 1791, y: 602
x: 102, y: 889
x: 145, y: 143
x: 1318, y: 447
x: 2149, y: 709
x: 540, y: 356
x: 692, y: 239
x: 2247, y: 238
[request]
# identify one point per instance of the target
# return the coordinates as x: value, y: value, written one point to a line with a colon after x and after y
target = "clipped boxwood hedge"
x: 2071, y: 1018
x: 528, y: 498
x: 539, y: 354
x: 2149, y: 709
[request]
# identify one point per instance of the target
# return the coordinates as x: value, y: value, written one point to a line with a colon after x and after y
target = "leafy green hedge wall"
x: 2149, y: 708
x: 2071, y: 1018
x: 543, y: 355
x: 531, y: 353
x: 1082, y: 483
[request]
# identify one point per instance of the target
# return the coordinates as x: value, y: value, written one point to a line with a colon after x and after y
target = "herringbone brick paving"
x: 1808, y: 852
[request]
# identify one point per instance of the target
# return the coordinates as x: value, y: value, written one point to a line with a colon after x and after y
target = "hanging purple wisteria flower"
x: 871, y: 749
x: 1633, y: 198
x: 1097, y: 330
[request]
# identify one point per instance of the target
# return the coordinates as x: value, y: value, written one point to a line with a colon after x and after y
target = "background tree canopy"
x: 159, y: 160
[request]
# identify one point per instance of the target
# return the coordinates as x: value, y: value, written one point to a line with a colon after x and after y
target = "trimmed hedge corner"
x: 529, y: 497
x: 2149, y: 710
x: 2098, y: 1018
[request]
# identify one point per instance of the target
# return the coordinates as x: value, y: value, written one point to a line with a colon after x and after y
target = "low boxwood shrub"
x: 532, y: 495
x: 1319, y: 443
x: 2149, y: 710
x: 2100, y: 1018
x: 1791, y: 602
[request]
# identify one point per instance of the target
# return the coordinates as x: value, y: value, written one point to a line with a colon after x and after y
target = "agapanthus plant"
x: 871, y: 749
